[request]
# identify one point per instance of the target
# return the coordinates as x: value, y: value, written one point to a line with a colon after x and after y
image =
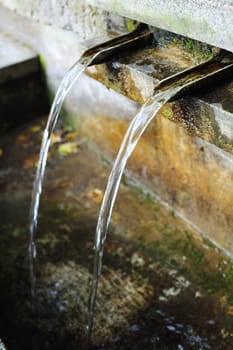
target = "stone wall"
x: 208, y: 21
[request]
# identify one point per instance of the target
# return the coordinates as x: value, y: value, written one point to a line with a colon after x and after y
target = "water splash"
x: 137, y: 127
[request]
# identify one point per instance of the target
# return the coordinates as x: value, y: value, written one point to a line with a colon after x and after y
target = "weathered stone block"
x: 208, y: 21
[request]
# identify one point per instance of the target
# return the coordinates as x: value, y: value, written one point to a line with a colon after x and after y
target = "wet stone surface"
x: 137, y: 73
x: 205, y: 112
x: 163, y: 286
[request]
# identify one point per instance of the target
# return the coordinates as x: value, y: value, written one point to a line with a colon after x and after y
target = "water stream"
x: 138, y: 125
x: 94, y: 55
x: 133, y: 134
x: 168, y: 88
x: 70, y: 78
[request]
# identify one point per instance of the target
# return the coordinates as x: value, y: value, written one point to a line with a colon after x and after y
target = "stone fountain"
x: 185, y: 159
x: 201, y: 132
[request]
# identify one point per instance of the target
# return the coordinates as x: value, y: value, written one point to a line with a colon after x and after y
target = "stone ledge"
x: 201, y: 20
x: 136, y: 75
x: 208, y: 21
x: 77, y: 16
x: 186, y: 156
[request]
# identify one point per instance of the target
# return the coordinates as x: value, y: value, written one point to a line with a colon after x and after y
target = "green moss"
x: 113, y: 86
x: 167, y: 112
x: 68, y: 121
x: 198, y: 50
x: 42, y: 63
x: 180, y: 249
x: 131, y: 24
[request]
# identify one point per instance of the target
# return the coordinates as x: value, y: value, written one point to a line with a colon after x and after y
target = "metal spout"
x: 140, y: 37
x: 198, y: 77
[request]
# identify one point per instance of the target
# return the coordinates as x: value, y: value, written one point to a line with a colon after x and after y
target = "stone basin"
x: 162, y: 285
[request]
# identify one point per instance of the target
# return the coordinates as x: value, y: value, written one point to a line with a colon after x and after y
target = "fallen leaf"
x: 30, y: 162
x: 68, y: 148
x: 55, y: 138
x: 230, y: 310
x: 35, y: 128
x: 22, y: 138
x: 72, y: 136
x: 96, y: 195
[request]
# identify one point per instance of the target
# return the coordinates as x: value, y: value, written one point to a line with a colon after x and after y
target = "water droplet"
x: 135, y: 328
x: 171, y: 328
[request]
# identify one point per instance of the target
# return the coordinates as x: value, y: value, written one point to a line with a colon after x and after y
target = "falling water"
x: 138, y: 125
x: 92, y: 56
x: 167, y: 89
x: 68, y: 81
x: 70, y: 78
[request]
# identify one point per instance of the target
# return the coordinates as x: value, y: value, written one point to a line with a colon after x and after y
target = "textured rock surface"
x: 189, y: 163
x: 207, y: 21
x: 192, y: 175
x: 74, y: 15
x: 87, y: 21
